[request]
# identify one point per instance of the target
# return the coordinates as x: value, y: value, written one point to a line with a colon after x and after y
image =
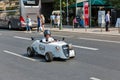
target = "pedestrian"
x: 107, y: 20
x: 28, y: 24
x: 39, y: 23
x: 42, y: 22
x: 75, y: 23
x: 52, y: 18
x: 58, y: 20
x: 55, y: 21
x: 78, y: 20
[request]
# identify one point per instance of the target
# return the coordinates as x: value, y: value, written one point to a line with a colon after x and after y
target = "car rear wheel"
x: 48, y: 57
x: 30, y: 52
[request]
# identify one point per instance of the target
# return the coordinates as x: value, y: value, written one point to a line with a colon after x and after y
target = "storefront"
x: 47, y: 8
x: 96, y: 5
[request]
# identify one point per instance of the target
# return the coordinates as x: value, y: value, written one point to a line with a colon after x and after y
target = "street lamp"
x: 60, y: 16
x: 90, y: 13
x: 76, y: 7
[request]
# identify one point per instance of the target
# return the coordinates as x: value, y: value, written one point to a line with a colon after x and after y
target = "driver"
x: 47, y: 37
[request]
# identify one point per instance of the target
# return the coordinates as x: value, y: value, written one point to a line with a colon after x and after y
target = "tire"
x: 9, y: 26
x: 30, y: 52
x: 48, y: 57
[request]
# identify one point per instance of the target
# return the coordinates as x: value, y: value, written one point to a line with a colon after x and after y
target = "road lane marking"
x: 93, y: 78
x: 100, y: 40
x: 88, y: 48
x: 18, y: 55
x: 82, y: 47
x: 63, y: 36
x: 22, y: 38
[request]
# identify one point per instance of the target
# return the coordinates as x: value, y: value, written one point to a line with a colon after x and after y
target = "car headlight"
x: 57, y: 48
x: 70, y: 46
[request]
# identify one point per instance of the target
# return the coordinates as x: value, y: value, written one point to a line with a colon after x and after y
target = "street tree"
x: 114, y: 3
x: 64, y: 3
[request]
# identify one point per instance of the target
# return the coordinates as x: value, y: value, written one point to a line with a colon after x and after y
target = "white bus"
x: 13, y: 13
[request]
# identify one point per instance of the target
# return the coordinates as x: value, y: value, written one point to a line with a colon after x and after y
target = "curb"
x: 70, y: 30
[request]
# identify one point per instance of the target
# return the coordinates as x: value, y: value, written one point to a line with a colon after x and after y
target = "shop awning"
x: 93, y: 3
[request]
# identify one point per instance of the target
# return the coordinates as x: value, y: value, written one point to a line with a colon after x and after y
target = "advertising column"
x: 101, y: 19
x: 86, y: 14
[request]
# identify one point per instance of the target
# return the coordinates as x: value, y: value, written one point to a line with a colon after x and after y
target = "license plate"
x: 71, y: 53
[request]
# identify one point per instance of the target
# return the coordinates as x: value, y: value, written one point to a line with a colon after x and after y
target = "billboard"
x: 101, y: 18
x: 86, y: 14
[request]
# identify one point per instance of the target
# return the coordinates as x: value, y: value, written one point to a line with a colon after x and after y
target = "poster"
x: 101, y: 18
x: 117, y: 23
x: 86, y: 14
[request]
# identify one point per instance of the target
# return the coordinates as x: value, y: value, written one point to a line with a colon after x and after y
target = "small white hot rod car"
x: 56, y: 49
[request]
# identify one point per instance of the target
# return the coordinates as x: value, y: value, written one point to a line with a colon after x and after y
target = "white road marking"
x: 111, y: 36
x: 22, y: 38
x: 63, y: 36
x: 18, y: 55
x: 93, y: 78
x: 100, y: 40
x: 83, y: 47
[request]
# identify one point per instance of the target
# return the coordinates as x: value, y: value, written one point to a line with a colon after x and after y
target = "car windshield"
x: 31, y: 2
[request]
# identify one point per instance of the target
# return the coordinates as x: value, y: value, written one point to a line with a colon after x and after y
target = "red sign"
x: 86, y: 14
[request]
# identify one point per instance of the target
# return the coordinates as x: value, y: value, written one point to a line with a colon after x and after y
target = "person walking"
x: 78, y: 20
x: 42, y: 22
x: 28, y: 24
x: 58, y: 20
x: 55, y: 21
x: 107, y: 20
x: 75, y: 22
x: 39, y: 23
x: 52, y: 18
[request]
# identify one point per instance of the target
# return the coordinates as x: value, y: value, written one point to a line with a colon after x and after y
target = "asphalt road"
x: 97, y: 58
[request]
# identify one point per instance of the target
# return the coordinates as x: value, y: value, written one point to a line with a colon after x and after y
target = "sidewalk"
x: 67, y: 28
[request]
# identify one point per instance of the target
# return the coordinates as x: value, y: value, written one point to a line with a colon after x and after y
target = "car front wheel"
x: 48, y: 57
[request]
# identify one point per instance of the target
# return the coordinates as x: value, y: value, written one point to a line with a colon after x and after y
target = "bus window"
x: 31, y: 2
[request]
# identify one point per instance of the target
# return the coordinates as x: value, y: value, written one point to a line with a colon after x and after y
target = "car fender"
x: 56, y: 48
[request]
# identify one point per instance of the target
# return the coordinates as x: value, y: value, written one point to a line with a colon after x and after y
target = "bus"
x: 13, y: 13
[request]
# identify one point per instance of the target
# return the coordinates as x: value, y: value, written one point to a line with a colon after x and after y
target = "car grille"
x: 65, y: 50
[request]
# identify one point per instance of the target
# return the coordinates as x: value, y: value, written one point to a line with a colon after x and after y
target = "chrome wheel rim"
x: 46, y: 57
x: 28, y: 52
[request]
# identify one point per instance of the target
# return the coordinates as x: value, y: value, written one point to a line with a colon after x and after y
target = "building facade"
x: 46, y: 9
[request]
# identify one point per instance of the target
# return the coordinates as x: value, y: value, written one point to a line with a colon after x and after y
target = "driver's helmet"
x: 47, y: 32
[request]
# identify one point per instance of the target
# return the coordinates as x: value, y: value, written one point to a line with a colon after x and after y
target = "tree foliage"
x: 114, y: 3
x: 63, y: 3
